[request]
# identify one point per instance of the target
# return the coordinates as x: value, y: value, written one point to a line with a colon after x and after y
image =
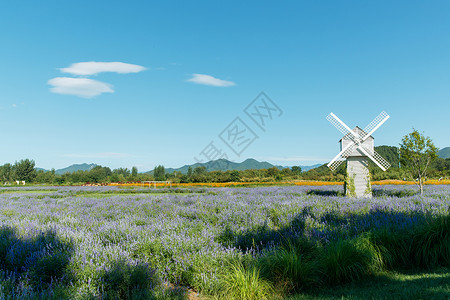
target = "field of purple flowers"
x: 108, y: 242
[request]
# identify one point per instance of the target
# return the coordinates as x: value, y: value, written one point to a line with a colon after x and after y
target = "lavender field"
x: 108, y: 242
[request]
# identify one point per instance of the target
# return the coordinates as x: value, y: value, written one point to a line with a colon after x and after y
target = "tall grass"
x: 426, y: 246
x: 350, y: 259
x: 431, y: 243
x: 394, y: 247
x: 293, y: 265
x: 244, y: 283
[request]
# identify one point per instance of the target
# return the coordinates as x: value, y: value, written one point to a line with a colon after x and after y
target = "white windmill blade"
x: 341, y: 154
x: 336, y: 164
x: 375, y: 124
x: 341, y: 126
x: 376, y: 158
x: 341, y: 157
x: 381, y: 160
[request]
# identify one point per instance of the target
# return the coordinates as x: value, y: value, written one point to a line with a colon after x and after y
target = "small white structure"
x: 357, y: 147
x: 358, y: 165
x: 155, y: 182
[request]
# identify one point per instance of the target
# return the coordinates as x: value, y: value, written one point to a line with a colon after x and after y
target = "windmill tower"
x: 357, y: 147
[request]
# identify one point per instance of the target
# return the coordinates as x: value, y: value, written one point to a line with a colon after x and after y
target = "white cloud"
x: 95, y: 67
x: 82, y: 87
x: 209, y: 80
x: 97, y: 155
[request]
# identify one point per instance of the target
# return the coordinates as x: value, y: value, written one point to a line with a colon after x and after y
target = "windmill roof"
x: 358, y: 130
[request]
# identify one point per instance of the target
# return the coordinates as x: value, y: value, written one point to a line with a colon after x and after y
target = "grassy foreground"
x: 389, y: 285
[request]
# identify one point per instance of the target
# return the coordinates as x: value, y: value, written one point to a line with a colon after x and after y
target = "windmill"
x: 357, y: 148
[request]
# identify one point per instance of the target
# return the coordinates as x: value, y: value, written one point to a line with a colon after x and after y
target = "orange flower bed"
x: 401, y: 182
x: 318, y: 183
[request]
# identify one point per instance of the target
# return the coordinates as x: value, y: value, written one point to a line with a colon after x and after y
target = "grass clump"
x: 431, y: 243
x: 425, y: 246
x: 242, y: 282
x: 350, y: 259
x: 293, y: 265
x: 394, y: 247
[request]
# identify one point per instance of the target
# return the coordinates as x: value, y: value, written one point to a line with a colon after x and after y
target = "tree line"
x: 25, y: 170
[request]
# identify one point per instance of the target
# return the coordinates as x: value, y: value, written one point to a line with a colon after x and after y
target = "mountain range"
x: 226, y: 165
x: 444, y: 152
x: 72, y: 168
x: 215, y: 165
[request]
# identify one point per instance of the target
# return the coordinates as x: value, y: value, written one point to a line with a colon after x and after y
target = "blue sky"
x: 133, y: 83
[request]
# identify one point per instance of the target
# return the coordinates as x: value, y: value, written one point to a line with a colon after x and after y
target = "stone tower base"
x: 357, y: 183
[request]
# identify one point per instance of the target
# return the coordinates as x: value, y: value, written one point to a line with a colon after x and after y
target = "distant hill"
x: 75, y: 167
x: 226, y: 165
x: 307, y: 168
x: 444, y: 152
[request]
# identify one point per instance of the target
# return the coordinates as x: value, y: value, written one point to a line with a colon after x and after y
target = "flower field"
x: 136, y: 243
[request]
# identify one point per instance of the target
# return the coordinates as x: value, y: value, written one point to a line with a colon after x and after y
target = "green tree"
x: 6, y: 173
x: 286, y: 172
x: 24, y: 170
x: 273, y: 172
x: 45, y: 176
x: 296, y: 170
x: 200, y: 174
x: 99, y: 174
x: 416, y: 154
x: 122, y: 171
x: 159, y: 173
x: 201, y: 170
x: 235, y: 176
x: 134, y: 172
